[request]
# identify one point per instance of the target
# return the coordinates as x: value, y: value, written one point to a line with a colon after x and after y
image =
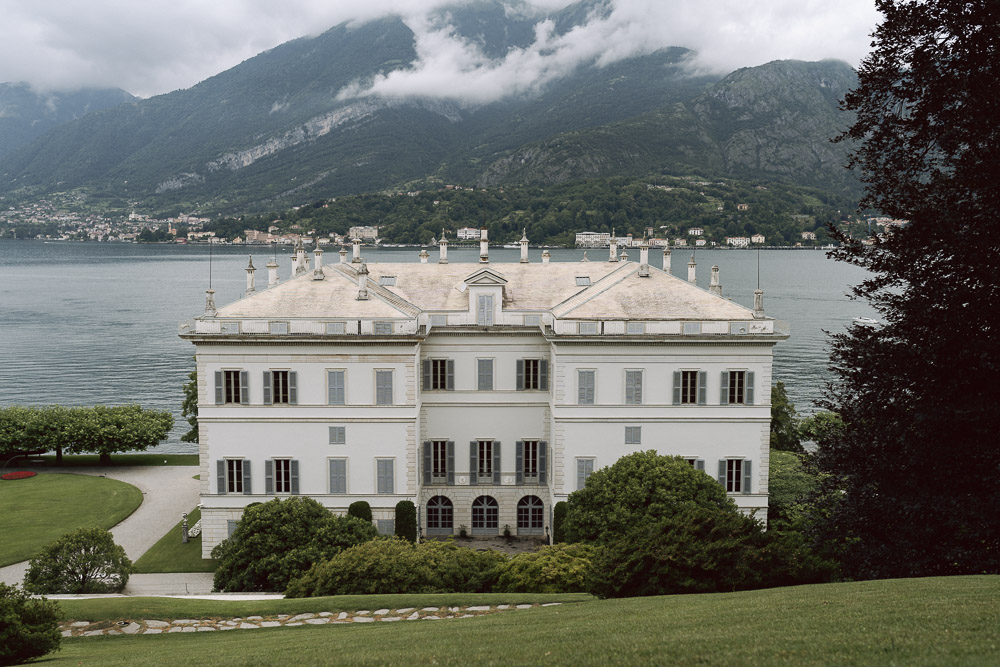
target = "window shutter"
x: 496, y: 461
x: 520, y: 375
x: 293, y: 392
x: 581, y: 473
x: 724, y: 393
x: 519, y: 462
x: 473, y: 462
x: 722, y: 472
x: 543, y: 374
x: 677, y: 388
x: 220, y: 471
x: 702, y: 387
x: 336, y: 382
x: 747, y: 479
x: 294, y: 465
x: 485, y: 368
x: 269, y: 477
x: 749, y: 388
x: 427, y: 374
x: 543, y: 456
x: 247, y: 486
x: 450, y: 453
x: 427, y: 462
x: 449, y: 381
x: 219, y: 399
x: 338, y: 476
x: 699, y: 464
x: 267, y: 387
x: 244, y: 387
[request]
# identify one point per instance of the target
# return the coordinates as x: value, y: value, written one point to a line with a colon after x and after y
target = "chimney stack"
x: 210, y: 310
x: 666, y: 258
x: 343, y: 255
x: 363, y: 283
x: 613, y: 248
x: 272, y: 273
x: 295, y: 264
x: 546, y: 256
x: 758, y: 304
x: 356, y: 257
x: 302, y: 264
x: 691, y: 271
x: 644, y: 259
x: 484, y: 247
x: 443, y: 250
x: 424, y: 255
x: 250, y: 279
x: 524, y: 245
x: 318, y: 263
x: 714, y: 286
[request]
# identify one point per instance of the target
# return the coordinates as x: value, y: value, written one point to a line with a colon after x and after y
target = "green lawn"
x: 169, y: 554
x: 93, y: 460
x: 938, y: 621
x: 40, y: 509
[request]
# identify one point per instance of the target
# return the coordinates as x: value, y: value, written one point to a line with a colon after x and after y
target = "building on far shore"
x: 484, y: 393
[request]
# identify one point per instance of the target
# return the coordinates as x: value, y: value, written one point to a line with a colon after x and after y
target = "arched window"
x: 530, y: 516
x: 440, y: 516
x: 485, y: 516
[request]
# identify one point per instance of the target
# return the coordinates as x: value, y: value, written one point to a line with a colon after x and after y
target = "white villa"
x: 482, y: 392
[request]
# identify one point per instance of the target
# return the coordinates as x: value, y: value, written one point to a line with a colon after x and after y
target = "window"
x: 283, y: 476
x: 530, y: 516
x: 532, y: 320
x: 737, y: 388
x: 232, y: 386
x: 484, y: 315
x: 382, y: 328
x: 338, y: 435
x: 689, y: 387
x: 440, y: 516
x: 386, y: 526
x: 278, y: 328
x: 585, y: 387
x: 439, y: 320
x: 384, y: 482
x: 583, y: 281
x: 530, y: 461
x: 484, y: 461
x: 635, y: 327
x: 532, y: 374
x: 485, y: 516
x: 383, y: 387
x: 439, y: 461
x: 633, y: 435
x: 484, y: 458
x: 633, y: 387
x: 336, y: 328
x: 439, y: 374
x: 338, y: 475
x: 692, y: 328
x: 586, y: 328
x: 734, y: 475
x: 231, y: 527
x: 584, y: 469
x: 280, y: 387
x: 336, y: 387
x: 234, y: 476
x: 229, y: 327
x: 484, y: 374
x: 387, y: 281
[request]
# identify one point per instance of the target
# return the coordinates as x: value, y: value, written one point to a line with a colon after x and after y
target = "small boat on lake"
x: 866, y: 322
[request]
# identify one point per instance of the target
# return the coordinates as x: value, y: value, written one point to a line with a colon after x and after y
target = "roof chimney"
x: 363, y: 283
x: 443, y: 250
x: 295, y: 264
x: 524, y: 245
x: 250, y: 280
x: 758, y: 304
x: 272, y: 273
x: 484, y: 247
x: 343, y: 255
x: 714, y: 286
x: 691, y: 271
x: 424, y: 255
x: 210, y: 310
x: 546, y: 256
x: 644, y: 253
x: 666, y: 258
x: 302, y: 264
x: 318, y: 263
x: 613, y: 248
x: 356, y: 256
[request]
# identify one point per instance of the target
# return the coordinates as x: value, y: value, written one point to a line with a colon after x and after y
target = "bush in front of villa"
x: 84, y: 561
x: 29, y: 628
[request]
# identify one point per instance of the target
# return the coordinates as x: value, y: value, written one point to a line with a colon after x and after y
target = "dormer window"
x: 387, y: 281
x: 583, y: 281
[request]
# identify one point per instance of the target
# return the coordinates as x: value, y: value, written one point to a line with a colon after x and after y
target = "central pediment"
x: 485, y: 277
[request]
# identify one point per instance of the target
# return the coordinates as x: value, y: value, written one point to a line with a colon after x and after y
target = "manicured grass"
x: 938, y: 621
x: 38, y: 510
x: 93, y: 460
x: 169, y: 554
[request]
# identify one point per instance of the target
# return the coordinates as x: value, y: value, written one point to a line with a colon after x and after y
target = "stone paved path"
x: 155, y: 627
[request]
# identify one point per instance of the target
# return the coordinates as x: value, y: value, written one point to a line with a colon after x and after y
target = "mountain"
x: 273, y: 131
x: 26, y: 114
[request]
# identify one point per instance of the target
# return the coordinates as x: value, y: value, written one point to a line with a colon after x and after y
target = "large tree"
x: 916, y: 468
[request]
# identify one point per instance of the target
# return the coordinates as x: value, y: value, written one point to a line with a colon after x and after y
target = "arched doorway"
x: 485, y: 516
x: 530, y: 516
x: 440, y: 516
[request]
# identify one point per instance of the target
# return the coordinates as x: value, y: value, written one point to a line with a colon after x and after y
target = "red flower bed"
x: 20, y: 474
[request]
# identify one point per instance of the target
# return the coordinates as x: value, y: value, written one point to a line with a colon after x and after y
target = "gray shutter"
x: 219, y: 398
x: 220, y: 471
x: 267, y: 387
x: 520, y: 375
x: 269, y: 477
x: 450, y: 453
x: 581, y: 473
x: 449, y: 381
x: 722, y: 472
x: 677, y: 388
x: 543, y: 456
x: 699, y: 464
x: 247, y: 485
x: 293, y: 392
x: 338, y: 476
x: 749, y: 388
x: 294, y: 465
x: 724, y: 393
x: 244, y: 387
x: 496, y: 461
x: 473, y: 462
x: 543, y: 374
x: 702, y: 387
x: 427, y: 374
x: 427, y: 462
x: 484, y: 369
x: 335, y: 379
x: 519, y: 462
x: 747, y: 478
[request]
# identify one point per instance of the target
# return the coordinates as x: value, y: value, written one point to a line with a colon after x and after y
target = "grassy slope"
x: 169, y: 554
x: 918, y: 621
x: 39, y: 510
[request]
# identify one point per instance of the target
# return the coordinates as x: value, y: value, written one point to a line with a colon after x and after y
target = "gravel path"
x: 167, y: 492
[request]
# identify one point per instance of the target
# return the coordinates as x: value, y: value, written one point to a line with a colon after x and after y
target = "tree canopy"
x: 915, y: 466
x: 84, y: 561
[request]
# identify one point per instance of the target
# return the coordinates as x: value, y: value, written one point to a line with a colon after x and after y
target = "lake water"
x: 86, y: 323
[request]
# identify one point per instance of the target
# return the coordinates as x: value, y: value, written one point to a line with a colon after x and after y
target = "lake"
x: 87, y: 323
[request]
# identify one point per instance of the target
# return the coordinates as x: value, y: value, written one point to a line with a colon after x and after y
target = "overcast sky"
x: 150, y: 47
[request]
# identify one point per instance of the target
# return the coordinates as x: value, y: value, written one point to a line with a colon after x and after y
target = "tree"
x: 189, y: 407
x: 85, y: 561
x: 406, y: 520
x: 360, y: 509
x: 915, y: 467
x: 29, y: 628
x: 107, y: 430
x: 784, y: 424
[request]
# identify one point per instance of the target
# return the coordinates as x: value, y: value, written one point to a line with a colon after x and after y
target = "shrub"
x: 559, y: 568
x: 361, y: 510
x: 406, y: 520
x: 559, y: 521
x: 85, y: 561
x: 28, y: 628
x: 397, y: 566
x: 279, y: 540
